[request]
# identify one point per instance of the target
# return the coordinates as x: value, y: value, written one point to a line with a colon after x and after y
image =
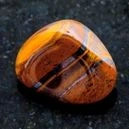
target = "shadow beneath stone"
x: 98, y: 108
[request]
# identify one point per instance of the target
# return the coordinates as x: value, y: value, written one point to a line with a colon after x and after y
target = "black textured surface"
x: 109, y: 19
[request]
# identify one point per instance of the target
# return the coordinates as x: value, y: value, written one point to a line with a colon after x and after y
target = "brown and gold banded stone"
x: 68, y: 61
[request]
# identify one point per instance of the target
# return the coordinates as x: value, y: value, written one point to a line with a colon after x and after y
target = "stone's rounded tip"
x: 68, y: 61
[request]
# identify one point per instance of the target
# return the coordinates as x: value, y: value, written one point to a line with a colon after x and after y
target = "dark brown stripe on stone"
x: 58, y: 68
x: 50, y: 74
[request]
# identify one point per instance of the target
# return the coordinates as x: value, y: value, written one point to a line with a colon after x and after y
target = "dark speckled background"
x: 19, y: 19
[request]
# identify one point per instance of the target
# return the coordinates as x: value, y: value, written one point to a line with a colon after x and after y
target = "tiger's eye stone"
x: 66, y: 60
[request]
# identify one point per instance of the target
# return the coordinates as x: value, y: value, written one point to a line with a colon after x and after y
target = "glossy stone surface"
x: 67, y: 60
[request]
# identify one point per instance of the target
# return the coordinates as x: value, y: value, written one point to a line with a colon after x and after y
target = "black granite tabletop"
x: 19, y: 19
